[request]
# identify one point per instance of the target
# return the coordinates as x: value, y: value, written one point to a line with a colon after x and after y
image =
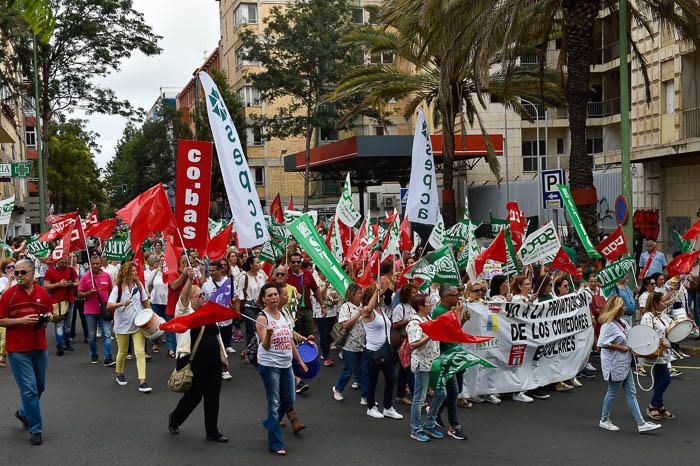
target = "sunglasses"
x: 10, y: 267
x: 17, y: 273
x: 280, y: 274
x: 200, y: 295
x: 296, y: 262
x: 477, y: 290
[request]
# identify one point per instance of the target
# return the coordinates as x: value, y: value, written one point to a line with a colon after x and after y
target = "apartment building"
x: 265, y: 157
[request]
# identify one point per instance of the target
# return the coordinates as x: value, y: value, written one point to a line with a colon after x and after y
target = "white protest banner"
x: 540, y: 246
x: 346, y: 211
x: 6, y: 208
x: 422, y: 204
x: 240, y: 186
x: 437, y: 236
x: 534, y: 344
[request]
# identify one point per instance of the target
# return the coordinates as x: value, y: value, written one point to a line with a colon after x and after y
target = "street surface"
x: 89, y: 419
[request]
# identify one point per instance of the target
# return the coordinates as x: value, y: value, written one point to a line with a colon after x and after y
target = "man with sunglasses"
x: 24, y: 310
x: 279, y: 278
x: 61, y: 282
x: 304, y: 282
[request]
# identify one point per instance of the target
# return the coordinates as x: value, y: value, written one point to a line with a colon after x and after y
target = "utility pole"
x: 625, y: 122
x: 40, y: 154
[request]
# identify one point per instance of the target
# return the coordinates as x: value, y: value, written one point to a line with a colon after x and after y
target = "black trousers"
x: 206, y: 383
x: 226, y: 334
x: 252, y: 312
x: 374, y: 367
x: 79, y: 311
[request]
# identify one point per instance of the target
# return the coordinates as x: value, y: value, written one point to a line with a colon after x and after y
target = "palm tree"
x: 512, y: 21
x: 422, y: 77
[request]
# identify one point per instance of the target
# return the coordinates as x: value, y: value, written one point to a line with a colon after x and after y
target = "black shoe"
x: 440, y: 423
x: 22, y: 419
x: 302, y: 387
x: 68, y: 347
x: 539, y: 393
x: 109, y: 362
x: 172, y: 427
x: 59, y: 352
x: 217, y: 438
x: 35, y: 438
x: 586, y: 374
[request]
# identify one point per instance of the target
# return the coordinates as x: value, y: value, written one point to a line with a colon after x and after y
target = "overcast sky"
x: 190, y: 29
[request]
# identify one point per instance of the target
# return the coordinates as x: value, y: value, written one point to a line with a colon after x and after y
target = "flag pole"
x: 82, y: 230
x: 182, y: 242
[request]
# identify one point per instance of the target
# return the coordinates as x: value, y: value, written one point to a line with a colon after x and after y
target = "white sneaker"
x: 521, y: 396
x: 226, y: 375
x: 590, y: 367
x: 647, y: 426
x: 576, y: 383
x: 476, y: 399
x: 608, y: 425
x: 363, y: 401
x: 338, y: 396
x: 391, y: 412
x: 493, y: 399
x: 98, y: 333
x: 355, y: 386
x: 374, y: 412
x: 230, y: 350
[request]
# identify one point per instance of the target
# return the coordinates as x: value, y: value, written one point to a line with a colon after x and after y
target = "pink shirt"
x: 103, y: 283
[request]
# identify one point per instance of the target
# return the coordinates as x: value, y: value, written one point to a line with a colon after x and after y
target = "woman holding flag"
x: 126, y: 300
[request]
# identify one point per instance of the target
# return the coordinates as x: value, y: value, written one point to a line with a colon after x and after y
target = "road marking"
x: 686, y: 367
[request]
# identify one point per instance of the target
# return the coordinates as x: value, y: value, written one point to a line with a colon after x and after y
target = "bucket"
x: 149, y: 323
x: 309, y: 354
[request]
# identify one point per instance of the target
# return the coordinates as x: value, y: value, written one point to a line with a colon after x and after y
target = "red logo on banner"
x: 193, y: 189
x: 517, y: 355
x: 614, y: 246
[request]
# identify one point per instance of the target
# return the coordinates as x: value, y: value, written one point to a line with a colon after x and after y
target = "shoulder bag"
x: 180, y: 381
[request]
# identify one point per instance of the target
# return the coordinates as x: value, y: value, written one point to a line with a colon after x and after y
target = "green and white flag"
x: 613, y: 273
x: 278, y: 232
x: 336, y: 240
x: 451, y: 362
x: 471, y: 248
x: 268, y: 253
x: 422, y: 205
x: 438, y: 266
x: 392, y: 246
x: 4, y: 247
x: 38, y: 248
x: 117, y: 249
x: 215, y: 227
x: 304, y: 231
x: 292, y: 215
x: 457, y: 234
x: 683, y: 244
x: 346, y: 211
x: 512, y: 266
x: 568, y: 199
x: 6, y: 208
x: 540, y: 246
x: 437, y: 236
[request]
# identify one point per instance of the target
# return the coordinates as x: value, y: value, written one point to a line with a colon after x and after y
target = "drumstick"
x: 254, y: 320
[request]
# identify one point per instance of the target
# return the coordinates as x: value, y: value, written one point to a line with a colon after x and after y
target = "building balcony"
x: 690, y: 123
x: 8, y: 124
x: 604, y: 109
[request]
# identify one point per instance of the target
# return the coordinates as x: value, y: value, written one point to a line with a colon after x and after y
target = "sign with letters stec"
x: 192, y: 192
x: 551, y: 199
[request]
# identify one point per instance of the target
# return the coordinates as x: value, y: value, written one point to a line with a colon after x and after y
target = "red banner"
x: 192, y: 193
x: 613, y: 247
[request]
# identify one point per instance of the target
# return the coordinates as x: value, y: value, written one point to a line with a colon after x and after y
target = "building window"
x: 530, y: 155
x: 254, y: 136
x: 30, y: 136
x: 560, y: 146
x: 249, y: 96
x: 669, y: 96
x: 329, y: 134
x: 246, y: 13
x: 358, y: 15
x: 379, y: 130
x: 384, y: 58
x: 594, y: 145
x: 241, y: 61
x: 259, y: 175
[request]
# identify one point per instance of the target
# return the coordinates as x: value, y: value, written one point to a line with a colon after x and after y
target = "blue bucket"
x: 309, y: 354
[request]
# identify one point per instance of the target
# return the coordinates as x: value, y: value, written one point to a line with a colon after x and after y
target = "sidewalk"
x: 691, y: 345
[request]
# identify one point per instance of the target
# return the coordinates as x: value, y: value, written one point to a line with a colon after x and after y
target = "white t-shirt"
x: 377, y: 331
x: 124, y: 316
x: 159, y: 292
x: 255, y: 284
x: 280, y: 353
x: 402, y: 312
x: 210, y: 288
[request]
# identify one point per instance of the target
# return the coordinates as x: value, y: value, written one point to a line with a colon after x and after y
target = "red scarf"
x: 647, y: 265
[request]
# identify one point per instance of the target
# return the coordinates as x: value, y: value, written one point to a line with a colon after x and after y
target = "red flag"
x: 354, y: 253
x: 563, y: 263
x: 692, y: 232
x: 518, y: 224
x: 276, y: 210
x: 369, y: 274
x: 448, y: 329
x: 91, y: 219
x: 290, y: 206
x: 103, y: 229
x: 146, y: 213
x: 402, y: 280
x: 59, y: 225
x: 218, y: 245
x: 614, y: 246
x: 210, y: 313
x: 77, y: 239
x: 496, y: 251
x: 173, y: 253
x: 62, y: 249
x: 137, y: 260
x: 405, y: 237
x: 682, y: 263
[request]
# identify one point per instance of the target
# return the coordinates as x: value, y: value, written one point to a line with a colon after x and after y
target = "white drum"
x: 149, y: 323
x: 679, y: 329
x: 643, y: 341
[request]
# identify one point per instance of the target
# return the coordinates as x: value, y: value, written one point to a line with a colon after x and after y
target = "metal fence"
x: 691, y: 123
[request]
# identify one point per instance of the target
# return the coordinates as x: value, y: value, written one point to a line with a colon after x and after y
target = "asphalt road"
x: 89, y: 419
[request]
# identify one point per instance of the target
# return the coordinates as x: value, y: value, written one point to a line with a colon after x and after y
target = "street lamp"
x: 539, y: 166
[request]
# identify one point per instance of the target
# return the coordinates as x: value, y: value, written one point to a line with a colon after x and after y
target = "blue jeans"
x: 352, y: 362
x: 29, y: 369
x: 170, y: 338
x: 419, y: 423
x: 279, y: 387
x: 630, y: 395
x: 662, y: 379
x: 93, y: 320
x: 62, y: 328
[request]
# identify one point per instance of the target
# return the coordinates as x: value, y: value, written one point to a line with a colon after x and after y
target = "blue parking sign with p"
x: 551, y: 199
